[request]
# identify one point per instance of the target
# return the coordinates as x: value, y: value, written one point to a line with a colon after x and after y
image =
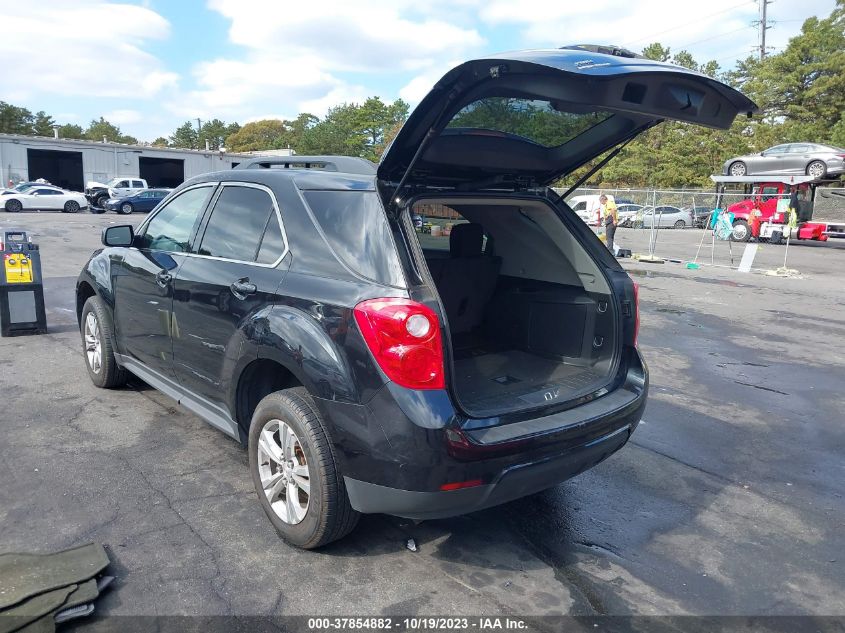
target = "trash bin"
x: 21, y: 287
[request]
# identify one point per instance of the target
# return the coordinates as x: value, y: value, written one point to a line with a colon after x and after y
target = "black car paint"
x: 199, y: 343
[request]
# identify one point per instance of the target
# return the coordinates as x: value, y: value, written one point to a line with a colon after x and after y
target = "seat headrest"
x: 466, y: 240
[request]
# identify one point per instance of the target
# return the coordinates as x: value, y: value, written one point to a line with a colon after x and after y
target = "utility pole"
x: 763, y: 24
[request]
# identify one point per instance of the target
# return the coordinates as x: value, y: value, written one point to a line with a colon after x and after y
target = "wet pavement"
x: 727, y: 500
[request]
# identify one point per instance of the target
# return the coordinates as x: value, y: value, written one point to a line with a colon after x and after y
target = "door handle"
x: 163, y: 278
x: 241, y: 288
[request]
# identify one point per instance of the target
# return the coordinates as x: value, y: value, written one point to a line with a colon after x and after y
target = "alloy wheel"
x: 93, y: 347
x: 126, y: 208
x: 816, y: 169
x: 283, y: 470
x: 740, y: 232
x: 738, y: 169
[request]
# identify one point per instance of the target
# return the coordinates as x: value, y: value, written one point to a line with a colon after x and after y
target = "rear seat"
x: 467, y: 279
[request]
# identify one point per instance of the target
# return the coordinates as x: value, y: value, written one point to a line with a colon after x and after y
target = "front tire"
x: 71, y: 206
x: 97, y: 336
x: 738, y: 169
x: 295, y: 471
x: 817, y: 169
x: 100, y: 201
x: 741, y: 232
x: 14, y: 206
x: 126, y: 208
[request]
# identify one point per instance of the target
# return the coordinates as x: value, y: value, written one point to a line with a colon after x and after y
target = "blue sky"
x: 151, y: 65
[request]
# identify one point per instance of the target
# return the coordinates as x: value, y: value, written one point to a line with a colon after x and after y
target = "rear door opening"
x: 531, y: 318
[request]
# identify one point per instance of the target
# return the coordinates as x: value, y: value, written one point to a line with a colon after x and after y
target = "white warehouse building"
x: 71, y: 164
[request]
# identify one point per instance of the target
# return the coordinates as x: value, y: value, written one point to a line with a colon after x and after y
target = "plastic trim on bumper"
x: 513, y: 483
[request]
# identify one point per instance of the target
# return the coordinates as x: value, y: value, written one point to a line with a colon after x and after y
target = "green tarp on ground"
x: 35, y: 587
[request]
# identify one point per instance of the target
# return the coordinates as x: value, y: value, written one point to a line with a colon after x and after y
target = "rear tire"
x: 97, y: 336
x: 14, y: 206
x: 71, y: 206
x: 680, y: 224
x: 307, y: 457
x: 741, y: 232
x: 817, y: 169
x: 738, y: 169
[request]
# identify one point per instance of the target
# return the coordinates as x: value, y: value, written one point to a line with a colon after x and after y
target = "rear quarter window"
x: 357, y: 230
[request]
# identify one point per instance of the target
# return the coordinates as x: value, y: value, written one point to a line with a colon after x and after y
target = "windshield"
x: 532, y: 119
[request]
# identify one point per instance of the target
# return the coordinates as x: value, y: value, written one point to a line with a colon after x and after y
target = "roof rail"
x: 342, y: 164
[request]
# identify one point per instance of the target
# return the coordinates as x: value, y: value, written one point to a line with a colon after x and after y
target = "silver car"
x: 811, y: 159
x: 666, y: 216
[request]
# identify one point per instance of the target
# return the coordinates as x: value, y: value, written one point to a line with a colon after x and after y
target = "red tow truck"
x: 763, y: 194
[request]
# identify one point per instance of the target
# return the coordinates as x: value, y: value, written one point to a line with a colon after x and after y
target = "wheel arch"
x: 84, y: 291
x: 258, y: 379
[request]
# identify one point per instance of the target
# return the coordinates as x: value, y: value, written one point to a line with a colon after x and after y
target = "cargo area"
x: 529, y: 312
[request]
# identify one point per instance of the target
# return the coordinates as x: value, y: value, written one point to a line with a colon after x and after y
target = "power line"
x: 680, y: 26
x: 707, y: 39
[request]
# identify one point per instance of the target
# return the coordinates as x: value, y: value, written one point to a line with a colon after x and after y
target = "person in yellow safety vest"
x: 610, y: 218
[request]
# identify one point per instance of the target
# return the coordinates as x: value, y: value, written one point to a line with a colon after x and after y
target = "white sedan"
x: 44, y: 197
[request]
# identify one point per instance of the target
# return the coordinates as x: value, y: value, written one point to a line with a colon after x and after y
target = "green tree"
x: 71, y: 130
x: 42, y: 124
x: 98, y: 130
x: 185, y: 136
x: 657, y: 52
x: 802, y: 88
x: 257, y: 135
x: 160, y: 142
x: 15, y: 120
x: 215, y: 132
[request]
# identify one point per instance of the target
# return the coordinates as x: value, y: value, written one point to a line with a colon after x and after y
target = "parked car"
x: 587, y: 207
x: 666, y: 216
x: 812, y: 159
x: 627, y: 213
x: 144, y: 200
x: 118, y: 187
x: 297, y: 311
x: 24, y: 186
x: 700, y: 215
x: 45, y: 197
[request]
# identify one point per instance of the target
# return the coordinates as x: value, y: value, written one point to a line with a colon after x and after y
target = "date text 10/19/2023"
x: 479, y: 623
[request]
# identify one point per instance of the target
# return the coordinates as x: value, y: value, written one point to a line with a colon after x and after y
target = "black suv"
x: 370, y: 367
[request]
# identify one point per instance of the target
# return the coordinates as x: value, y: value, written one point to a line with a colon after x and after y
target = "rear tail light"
x: 404, y: 337
x: 457, y: 485
x: 636, y: 312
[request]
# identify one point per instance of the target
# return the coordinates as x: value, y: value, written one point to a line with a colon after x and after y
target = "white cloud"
x: 719, y: 29
x: 296, y: 54
x: 122, y: 117
x: 83, y: 48
x: 367, y: 35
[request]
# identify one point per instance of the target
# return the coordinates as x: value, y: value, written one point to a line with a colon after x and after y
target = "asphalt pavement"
x: 727, y: 501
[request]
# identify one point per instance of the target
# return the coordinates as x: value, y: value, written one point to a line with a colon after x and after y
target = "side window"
x: 769, y: 193
x: 123, y: 184
x: 137, y: 184
x: 172, y: 227
x: 241, y: 218
x: 581, y: 206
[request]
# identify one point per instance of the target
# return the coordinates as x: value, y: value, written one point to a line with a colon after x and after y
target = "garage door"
x: 162, y: 172
x: 58, y: 167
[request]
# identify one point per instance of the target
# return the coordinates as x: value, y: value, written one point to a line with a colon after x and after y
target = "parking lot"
x: 727, y: 501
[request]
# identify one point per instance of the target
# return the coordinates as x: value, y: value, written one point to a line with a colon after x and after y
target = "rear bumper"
x: 399, y: 449
x: 514, y: 482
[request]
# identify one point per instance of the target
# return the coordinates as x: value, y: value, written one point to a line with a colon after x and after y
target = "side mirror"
x: 118, y: 235
x: 35, y: 193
